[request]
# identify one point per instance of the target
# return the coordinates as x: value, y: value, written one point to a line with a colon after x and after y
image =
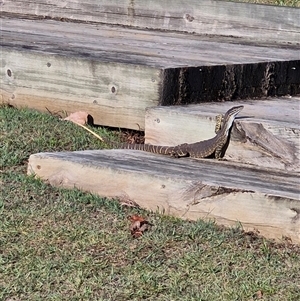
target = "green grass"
x: 58, y: 244
x: 294, y: 3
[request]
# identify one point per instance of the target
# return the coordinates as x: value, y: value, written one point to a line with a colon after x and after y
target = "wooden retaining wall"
x: 137, y: 64
x: 258, y: 23
x: 114, y: 59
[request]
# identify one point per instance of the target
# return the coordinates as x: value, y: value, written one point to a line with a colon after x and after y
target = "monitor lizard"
x: 201, y: 149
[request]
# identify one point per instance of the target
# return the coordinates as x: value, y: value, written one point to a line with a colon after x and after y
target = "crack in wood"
x: 198, y: 192
x: 297, y: 216
x: 268, y: 79
x: 270, y: 144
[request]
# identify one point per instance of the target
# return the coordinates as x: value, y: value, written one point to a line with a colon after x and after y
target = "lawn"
x: 58, y: 244
x: 295, y: 3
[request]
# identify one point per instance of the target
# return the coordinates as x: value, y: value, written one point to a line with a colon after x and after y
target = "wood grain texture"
x: 140, y: 47
x: 266, y: 133
x: 240, y: 20
x: 114, y: 94
x: 262, y: 200
x: 82, y: 66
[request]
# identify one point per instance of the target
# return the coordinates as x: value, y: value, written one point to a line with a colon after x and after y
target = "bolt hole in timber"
x: 211, y: 148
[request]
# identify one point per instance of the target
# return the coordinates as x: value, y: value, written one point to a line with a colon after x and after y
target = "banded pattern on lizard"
x: 201, y: 149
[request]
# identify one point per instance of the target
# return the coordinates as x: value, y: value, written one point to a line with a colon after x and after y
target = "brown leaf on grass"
x: 132, y: 136
x: 79, y: 117
x: 124, y: 200
x: 138, y: 225
x: 258, y: 294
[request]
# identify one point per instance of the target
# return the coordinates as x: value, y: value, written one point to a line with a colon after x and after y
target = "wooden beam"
x: 82, y: 66
x: 266, y: 132
x: 248, y: 22
x: 113, y: 94
x: 260, y: 199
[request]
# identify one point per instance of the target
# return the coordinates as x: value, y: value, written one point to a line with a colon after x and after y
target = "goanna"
x: 202, y: 149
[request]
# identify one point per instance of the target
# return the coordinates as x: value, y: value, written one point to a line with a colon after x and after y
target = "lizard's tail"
x: 156, y: 149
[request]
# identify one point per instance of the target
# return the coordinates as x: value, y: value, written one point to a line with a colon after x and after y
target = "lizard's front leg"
x: 219, y: 121
x: 180, y: 151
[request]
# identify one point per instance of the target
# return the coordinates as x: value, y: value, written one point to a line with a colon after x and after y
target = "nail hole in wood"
x: 9, y: 72
x: 48, y: 64
x: 113, y: 89
x: 189, y: 18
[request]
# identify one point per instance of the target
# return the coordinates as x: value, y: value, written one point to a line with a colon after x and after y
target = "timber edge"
x: 186, y: 188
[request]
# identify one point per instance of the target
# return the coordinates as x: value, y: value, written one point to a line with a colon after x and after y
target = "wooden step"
x: 242, y: 21
x: 266, y: 133
x: 261, y: 200
x: 114, y: 73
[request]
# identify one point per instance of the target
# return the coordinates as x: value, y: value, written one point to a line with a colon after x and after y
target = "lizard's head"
x: 229, y: 117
